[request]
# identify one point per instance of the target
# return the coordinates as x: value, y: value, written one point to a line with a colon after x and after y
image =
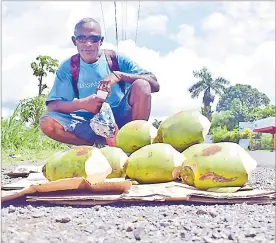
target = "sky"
x: 234, y: 40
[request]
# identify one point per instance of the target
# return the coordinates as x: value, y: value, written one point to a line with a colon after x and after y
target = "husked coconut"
x: 222, y: 164
x: 154, y: 163
x: 81, y: 161
x: 194, y: 150
x: 183, y: 130
x: 117, y: 159
x: 134, y: 135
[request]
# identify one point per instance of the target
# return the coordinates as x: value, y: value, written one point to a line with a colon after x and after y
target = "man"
x: 68, y: 118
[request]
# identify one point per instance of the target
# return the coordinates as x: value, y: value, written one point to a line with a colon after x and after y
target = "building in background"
x: 249, y: 125
x: 266, y: 125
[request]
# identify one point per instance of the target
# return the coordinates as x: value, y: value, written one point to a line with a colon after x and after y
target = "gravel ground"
x: 142, y: 222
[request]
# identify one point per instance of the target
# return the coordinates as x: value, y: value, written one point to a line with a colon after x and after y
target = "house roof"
x: 266, y: 125
x: 271, y: 129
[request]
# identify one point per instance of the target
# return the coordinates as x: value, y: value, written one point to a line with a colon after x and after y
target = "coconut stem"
x: 44, y: 170
x: 187, y: 175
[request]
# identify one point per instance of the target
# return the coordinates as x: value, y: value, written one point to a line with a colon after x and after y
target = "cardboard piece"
x: 78, y: 191
x: 33, y: 184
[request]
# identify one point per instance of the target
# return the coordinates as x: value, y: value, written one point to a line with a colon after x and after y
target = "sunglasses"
x: 91, y: 38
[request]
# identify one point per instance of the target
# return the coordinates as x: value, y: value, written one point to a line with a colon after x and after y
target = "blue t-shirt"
x: 90, y: 76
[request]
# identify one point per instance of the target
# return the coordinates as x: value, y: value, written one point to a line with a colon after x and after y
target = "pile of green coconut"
x: 173, y: 152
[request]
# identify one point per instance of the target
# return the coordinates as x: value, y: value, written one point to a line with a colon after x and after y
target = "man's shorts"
x: 79, y: 122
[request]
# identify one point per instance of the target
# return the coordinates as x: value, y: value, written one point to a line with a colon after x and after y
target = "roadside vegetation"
x: 25, y: 141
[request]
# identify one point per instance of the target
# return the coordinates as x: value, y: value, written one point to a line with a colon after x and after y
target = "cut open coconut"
x: 78, y: 161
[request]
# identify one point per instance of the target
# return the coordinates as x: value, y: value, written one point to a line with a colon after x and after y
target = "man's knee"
x: 48, y: 125
x: 140, y: 92
x: 140, y: 89
x: 142, y: 86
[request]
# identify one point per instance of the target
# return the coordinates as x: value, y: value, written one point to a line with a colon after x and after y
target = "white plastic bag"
x: 103, y: 123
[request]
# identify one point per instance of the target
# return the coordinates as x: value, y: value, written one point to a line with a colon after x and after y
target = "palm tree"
x: 210, y: 87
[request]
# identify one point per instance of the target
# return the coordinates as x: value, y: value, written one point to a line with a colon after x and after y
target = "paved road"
x: 264, y: 159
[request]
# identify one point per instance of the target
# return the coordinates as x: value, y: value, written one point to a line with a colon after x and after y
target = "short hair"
x: 84, y: 21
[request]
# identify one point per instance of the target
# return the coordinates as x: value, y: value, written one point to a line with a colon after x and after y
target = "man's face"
x: 88, y: 41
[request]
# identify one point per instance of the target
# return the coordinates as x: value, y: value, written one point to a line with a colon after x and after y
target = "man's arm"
x: 64, y: 106
x: 130, y: 78
x: 91, y: 104
x: 131, y: 71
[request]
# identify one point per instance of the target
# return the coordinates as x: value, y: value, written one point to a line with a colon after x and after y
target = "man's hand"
x: 92, y: 103
x: 108, y: 82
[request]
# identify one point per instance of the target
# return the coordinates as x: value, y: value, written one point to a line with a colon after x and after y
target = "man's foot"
x: 112, y: 141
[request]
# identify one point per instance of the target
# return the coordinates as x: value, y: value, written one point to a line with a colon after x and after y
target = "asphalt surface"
x: 148, y: 222
x: 264, y: 158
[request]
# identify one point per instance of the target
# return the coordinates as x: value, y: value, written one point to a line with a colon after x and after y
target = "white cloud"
x: 257, y: 70
x: 5, y: 112
x: 170, y: 7
x: 156, y: 24
x: 4, y: 9
x: 215, y: 21
x: 185, y: 36
x: 237, y: 29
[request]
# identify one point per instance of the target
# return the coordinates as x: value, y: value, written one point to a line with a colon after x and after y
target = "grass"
x: 29, y: 142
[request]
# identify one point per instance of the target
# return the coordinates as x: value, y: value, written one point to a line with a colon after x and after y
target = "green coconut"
x: 217, y: 165
x: 135, y: 135
x: 81, y: 161
x: 194, y: 150
x: 154, y: 163
x: 117, y: 159
x: 183, y: 130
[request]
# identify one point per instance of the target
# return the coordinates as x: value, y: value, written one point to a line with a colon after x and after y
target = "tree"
x: 32, y: 109
x: 245, y: 95
x: 240, y: 111
x: 229, y: 119
x: 43, y: 66
x: 209, y: 87
x: 265, y: 112
x: 244, y: 102
x: 224, y: 119
x: 258, y: 113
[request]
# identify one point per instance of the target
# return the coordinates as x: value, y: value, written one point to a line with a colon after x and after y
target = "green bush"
x: 234, y: 136
x: 218, y: 134
x: 266, y: 141
x: 246, y: 133
x: 223, y: 135
x: 224, y: 118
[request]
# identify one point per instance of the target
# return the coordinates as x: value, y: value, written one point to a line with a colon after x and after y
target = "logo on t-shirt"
x: 89, y: 85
